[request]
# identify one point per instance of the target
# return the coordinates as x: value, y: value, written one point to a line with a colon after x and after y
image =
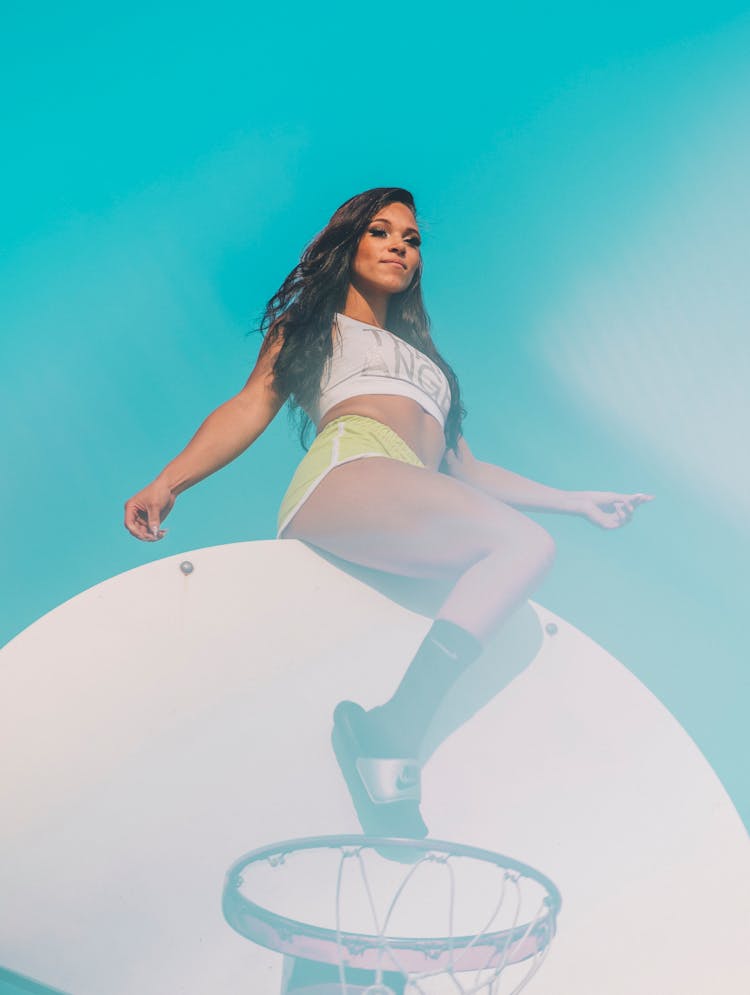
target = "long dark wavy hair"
x: 306, y: 302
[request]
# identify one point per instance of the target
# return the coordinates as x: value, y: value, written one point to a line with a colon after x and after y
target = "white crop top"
x: 370, y: 360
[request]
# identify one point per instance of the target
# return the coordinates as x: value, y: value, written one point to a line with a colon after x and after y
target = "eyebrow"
x: 406, y: 231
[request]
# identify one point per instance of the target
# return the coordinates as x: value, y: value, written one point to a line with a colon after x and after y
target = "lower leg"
x: 483, y: 597
x: 488, y: 592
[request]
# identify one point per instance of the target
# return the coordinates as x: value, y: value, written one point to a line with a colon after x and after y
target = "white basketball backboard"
x: 163, y: 723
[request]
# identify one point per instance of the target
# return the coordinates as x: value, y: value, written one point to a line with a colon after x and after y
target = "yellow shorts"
x: 346, y: 438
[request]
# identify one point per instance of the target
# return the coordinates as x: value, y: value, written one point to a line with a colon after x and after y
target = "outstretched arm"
x: 227, y: 432
x: 224, y: 435
x: 607, y: 509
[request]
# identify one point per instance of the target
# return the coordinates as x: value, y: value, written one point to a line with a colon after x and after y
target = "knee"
x: 529, y: 541
x: 537, y: 545
x: 545, y: 548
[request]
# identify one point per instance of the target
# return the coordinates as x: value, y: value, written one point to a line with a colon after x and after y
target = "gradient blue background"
x: 582, y: 180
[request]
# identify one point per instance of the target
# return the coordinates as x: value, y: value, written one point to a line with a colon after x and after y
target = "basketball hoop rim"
x: 300, y: 939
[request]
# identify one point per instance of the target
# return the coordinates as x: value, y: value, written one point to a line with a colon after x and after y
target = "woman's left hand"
x: 607, y: 509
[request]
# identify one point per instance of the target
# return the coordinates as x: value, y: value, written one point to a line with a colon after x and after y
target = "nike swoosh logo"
x: 451, y: 654
x: 407, y: 777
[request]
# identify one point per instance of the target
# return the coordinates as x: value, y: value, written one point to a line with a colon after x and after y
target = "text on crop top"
x: 370, y: 360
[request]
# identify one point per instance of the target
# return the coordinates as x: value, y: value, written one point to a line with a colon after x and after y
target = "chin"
x: 397, y: 284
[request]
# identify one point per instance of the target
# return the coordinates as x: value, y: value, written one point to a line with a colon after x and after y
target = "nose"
x: 398, y: 246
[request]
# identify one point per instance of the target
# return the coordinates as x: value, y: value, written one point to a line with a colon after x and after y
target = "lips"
x: 393, y: 262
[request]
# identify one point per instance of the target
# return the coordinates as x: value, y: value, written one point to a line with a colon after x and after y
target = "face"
x: 388, y: 253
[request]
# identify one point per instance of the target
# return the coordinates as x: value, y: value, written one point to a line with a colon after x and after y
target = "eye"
x: 378, y: 232
x: 414, y: 240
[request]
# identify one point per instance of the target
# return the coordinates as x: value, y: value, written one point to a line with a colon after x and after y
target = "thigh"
x: 404, y: 519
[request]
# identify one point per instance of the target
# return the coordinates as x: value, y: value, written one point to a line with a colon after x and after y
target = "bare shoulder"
x: 462, y: 464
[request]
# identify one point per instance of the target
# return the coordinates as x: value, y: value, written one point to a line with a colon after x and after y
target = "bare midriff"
x: 406, y: 417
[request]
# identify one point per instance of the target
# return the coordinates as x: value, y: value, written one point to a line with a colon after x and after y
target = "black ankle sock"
x: 446, y: 651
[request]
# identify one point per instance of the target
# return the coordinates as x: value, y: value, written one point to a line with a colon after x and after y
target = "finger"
x: 154, y: 521
x: 602, y: 519
x: 153, y: 533
x: 137, y: 525
x: 137, y: 518
x: 141, y: 534
x: 132, y: 524
x: 620, y: 510
x: 614, y: 519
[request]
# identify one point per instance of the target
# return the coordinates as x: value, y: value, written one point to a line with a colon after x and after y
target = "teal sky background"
x: 581, y: 178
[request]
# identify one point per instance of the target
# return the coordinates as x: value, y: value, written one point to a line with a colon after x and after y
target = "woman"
x: 389, y: 482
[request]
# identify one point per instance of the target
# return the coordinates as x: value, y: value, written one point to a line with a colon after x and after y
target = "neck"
x: 372, y: 309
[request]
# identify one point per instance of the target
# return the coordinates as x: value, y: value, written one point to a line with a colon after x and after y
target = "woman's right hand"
x: 147, y: 509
